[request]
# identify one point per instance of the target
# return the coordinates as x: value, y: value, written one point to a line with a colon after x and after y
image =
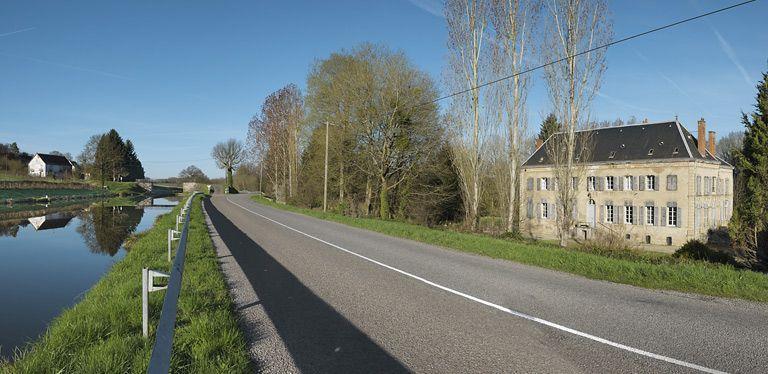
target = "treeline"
x: 106, y: 157
x: 387, y: 153
x: 12, y: 160
x: 368, y: 138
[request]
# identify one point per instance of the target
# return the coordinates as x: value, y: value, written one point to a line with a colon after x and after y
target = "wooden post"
x: 325, y: 175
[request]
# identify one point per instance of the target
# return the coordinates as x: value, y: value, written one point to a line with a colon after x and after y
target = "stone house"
x: 652, y: 183
x: 53, y: 166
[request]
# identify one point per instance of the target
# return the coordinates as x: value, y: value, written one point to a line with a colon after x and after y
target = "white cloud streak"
x: 67, y: 66
x: 625, y: 104
x: 433, y: 7
x: 17, y: 31
x: 732, y: 56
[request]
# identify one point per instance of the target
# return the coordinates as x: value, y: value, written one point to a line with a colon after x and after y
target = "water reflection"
x: 105, y: 228
x: 50, y: 255
x: 51, y: 221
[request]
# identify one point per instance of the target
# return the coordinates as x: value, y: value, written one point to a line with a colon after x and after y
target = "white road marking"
x: 496, y: 306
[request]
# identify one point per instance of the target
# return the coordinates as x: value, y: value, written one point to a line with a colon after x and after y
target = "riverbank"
x: 102, y: 333
x: 656, y: 271
x: 36, y: 191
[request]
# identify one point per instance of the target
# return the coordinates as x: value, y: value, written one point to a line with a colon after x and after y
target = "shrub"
x: 696, y: 250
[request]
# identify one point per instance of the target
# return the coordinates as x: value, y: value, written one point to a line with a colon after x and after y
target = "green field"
x: 649, y: 270
x: 102, y: 333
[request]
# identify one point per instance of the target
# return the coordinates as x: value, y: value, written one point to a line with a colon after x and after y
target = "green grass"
x: 26, y: 178
x: 122, y: 188
x: 649, y: 270
x: 102, y: 333
x: 39, y: 193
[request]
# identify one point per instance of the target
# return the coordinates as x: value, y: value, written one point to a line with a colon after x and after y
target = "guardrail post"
x: 178, y: 221
x: 144, y: 303
x: 171, y: 238
x: 148, y: 285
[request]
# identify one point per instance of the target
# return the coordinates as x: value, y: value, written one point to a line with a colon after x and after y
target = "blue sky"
x: 178, y: 76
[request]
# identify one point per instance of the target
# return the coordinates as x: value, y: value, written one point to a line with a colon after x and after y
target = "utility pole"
x: 325, y: 176
x: 261, y: 168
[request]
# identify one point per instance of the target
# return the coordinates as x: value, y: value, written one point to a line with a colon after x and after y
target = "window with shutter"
x: 671, y: 182
x: 629, y: 214
x: 650, y: 215
x: 628, y: 182
x: 706, y: 185
x: 649, y: 183
x: 529, y: 184
x: 609, y: 214
x: 529, y: 208
x: 698, y: 185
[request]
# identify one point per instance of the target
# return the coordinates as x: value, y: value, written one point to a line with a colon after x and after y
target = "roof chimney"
x: 645, y: 120
x: 539, y: 143
x: 702, y: 137
x: 711, y: 142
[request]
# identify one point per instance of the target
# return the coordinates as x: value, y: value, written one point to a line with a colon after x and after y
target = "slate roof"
x: 54, y: 159
x: 668, y: 141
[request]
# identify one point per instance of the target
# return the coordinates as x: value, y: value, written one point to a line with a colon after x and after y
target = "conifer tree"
x: 549, y: 127
x: 750, y: 218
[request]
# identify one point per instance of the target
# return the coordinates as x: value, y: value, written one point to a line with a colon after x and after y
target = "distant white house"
x: 45, y: 165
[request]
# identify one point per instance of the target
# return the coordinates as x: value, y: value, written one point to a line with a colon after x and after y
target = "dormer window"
x: 541, y: 159
x: 676, y: 151
x: 650, y: 152
x: 623, y: 146
x: 612, y: 154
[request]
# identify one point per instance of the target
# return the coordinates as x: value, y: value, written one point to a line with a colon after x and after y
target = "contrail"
x: 732, y: 56
x: 67, y: 66
x: 17, y: 31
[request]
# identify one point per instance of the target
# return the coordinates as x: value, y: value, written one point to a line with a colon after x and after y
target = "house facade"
x: 53, y: 166
x: 652, y: 183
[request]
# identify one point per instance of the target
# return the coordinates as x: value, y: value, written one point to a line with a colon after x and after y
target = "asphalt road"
x: 331, y: 298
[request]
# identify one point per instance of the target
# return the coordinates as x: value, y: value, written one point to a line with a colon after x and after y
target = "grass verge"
x: 639, y: 270
x: 102, y: 333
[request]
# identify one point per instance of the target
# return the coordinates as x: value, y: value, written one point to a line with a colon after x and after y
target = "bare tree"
x: 87, y: 158
x: 729, y: 145
x: 275, y: 137
x: 573, y: 26
x: 467, y: 21
x: 513, y: 22
x: 228, y: 155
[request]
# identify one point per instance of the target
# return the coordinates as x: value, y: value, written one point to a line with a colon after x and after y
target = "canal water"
x: 51, y: 255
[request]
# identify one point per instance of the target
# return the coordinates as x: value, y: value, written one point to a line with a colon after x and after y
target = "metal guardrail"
x: 160, y: 361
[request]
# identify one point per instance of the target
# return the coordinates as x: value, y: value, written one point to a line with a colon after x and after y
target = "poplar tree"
x: 750, y: 218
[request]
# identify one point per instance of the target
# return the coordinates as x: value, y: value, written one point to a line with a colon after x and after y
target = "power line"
x: 622, y: 40
x: 176, y: 161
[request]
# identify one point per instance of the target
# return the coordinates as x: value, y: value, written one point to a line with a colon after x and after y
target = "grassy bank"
x: 638, y: 269
x: 34, y: 193
x: 102, y: 333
